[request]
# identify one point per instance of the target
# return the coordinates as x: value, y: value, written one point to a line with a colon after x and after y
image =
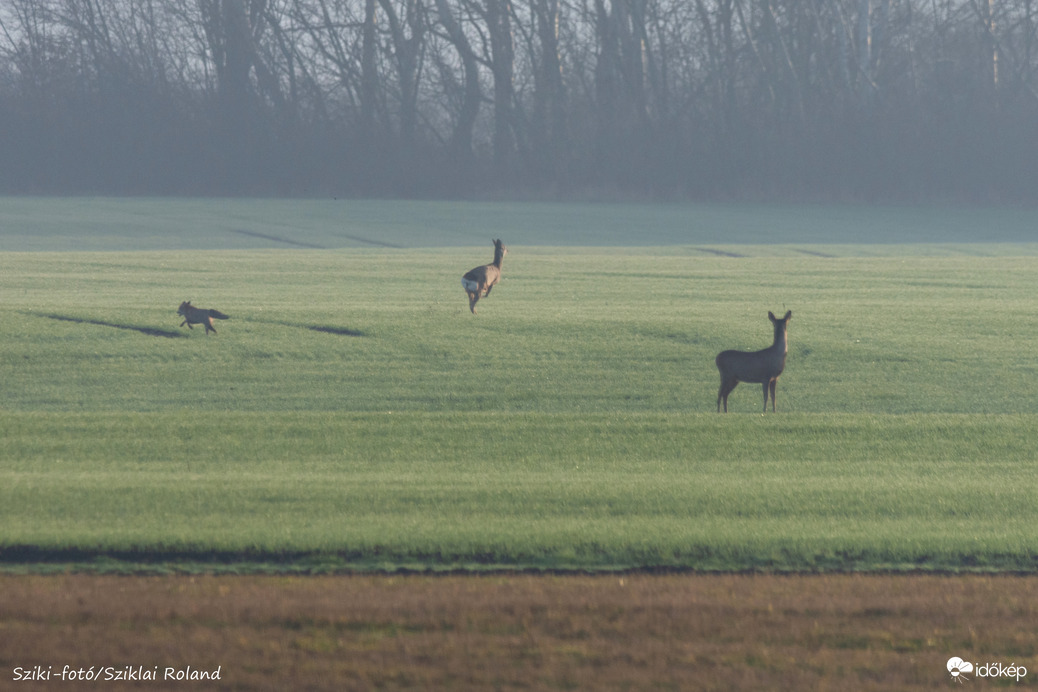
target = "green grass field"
x: 353, y: 414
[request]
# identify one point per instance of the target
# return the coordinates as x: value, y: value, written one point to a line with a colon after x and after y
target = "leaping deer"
x: 754, y: 366
x: 478, y: 282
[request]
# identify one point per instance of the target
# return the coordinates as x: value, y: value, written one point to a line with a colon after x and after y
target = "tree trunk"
x: 368, y: 73
x: 461, y: 138
x: 407, y: 47
x: 499, y: 21
x: 549, y: 110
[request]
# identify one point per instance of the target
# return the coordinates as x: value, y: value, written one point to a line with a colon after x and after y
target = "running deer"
x: 478, y: 282
x: 754, y: 366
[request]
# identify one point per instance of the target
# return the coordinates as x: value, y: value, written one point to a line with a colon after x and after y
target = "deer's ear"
x: 789, y: 313
x: 771, y: 316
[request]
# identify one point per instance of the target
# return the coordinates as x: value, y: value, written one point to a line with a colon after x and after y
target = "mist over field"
x: 716, y: 229
x: 851, y: 100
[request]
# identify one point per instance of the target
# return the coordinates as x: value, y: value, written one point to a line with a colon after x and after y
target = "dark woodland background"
x: 816, y: 100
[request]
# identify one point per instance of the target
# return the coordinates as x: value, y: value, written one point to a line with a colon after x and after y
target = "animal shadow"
x: 150, y: 331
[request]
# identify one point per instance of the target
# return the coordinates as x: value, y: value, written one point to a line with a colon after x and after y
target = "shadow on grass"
x: 200, y: 559
x: 38, y: 559
x: 341, y: 331
x: 150, y: 331
x: 323, y: 328
x: 157, y: 560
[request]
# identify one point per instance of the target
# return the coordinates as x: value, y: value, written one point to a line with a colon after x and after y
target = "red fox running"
x: 193, y: 315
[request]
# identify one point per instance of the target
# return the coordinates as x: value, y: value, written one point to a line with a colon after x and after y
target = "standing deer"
x: 478, y: 282
x: 754, y: 366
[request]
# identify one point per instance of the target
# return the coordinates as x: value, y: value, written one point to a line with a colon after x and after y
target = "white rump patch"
x: 469, y: 285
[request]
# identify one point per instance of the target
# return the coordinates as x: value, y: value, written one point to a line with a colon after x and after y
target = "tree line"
x: 858, y: 100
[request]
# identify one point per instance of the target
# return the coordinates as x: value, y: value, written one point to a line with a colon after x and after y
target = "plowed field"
x: 516, y: 631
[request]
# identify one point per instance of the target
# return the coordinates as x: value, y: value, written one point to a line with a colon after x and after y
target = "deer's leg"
x: 473, y: 299
x: 727, y: 385
x: 771, y: 387
x: 766, y: 385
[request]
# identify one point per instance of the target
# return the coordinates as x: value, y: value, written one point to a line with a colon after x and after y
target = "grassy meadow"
x: 352, y: 413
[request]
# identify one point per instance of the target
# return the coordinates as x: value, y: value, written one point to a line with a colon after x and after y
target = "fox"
x: 193, y: 315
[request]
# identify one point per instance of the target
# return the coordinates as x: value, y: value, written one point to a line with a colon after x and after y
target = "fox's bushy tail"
x: 218, y: 315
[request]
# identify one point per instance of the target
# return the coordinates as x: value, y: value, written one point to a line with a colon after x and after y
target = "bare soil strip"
x: 616, y: 632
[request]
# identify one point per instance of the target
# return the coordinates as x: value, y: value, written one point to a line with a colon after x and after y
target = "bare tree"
x: 549, y: 127
x: 498, y: 17
x: 461, y: 137
x: 858, y: 98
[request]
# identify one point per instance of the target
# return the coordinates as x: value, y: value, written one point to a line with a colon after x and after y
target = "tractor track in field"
x: 278, y: 239
x: 315, y: 246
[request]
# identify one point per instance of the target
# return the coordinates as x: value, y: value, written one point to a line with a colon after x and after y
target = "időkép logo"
x: 961, y: 670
